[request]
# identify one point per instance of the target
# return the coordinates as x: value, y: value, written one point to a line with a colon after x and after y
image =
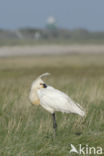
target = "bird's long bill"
x: 43, y: 85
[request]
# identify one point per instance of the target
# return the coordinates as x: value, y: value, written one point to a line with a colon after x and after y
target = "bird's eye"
x: 44, y: 85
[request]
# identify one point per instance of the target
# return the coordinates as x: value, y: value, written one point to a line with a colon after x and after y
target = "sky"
x: 70, y: 14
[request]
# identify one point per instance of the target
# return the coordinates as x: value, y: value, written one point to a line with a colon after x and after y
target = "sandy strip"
x: 49, y: 50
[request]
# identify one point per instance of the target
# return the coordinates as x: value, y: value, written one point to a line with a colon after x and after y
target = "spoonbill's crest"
x: 38, y: 83
x: 45, y: 74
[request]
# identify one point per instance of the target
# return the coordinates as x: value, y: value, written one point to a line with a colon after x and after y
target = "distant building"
x: 51, y: 23
x: 19, y: 34
x: 37, y: 36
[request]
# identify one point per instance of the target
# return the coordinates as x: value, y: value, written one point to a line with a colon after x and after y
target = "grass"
x: 26, y: 130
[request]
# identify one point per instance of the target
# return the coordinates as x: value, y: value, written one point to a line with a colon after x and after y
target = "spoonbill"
x: 52, y: 99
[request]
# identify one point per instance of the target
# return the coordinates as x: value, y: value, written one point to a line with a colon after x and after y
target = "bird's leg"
x: 54, y: 123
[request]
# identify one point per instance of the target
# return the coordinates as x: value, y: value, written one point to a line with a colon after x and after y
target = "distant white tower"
x: 51, y: 23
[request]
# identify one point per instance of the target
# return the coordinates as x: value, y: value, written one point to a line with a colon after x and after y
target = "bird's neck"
x: 34, y: 97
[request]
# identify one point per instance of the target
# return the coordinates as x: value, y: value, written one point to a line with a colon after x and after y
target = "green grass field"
x: 26, y: 130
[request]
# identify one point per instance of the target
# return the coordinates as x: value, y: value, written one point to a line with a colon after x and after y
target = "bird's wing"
x: 58, y: 101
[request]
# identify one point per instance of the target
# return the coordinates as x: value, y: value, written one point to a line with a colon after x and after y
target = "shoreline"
x: 50, y: 50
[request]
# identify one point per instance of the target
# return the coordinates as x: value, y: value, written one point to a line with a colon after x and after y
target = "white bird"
x: 52, y: 99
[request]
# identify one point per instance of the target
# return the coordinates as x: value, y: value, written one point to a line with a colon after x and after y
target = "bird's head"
x: 39, y: 83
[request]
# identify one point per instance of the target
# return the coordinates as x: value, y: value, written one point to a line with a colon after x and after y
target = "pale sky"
x: 71, y: 14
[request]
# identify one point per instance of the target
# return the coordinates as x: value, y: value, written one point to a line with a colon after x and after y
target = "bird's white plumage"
x: 54, y: 100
